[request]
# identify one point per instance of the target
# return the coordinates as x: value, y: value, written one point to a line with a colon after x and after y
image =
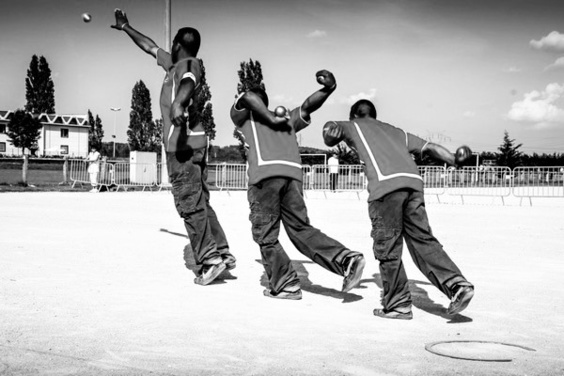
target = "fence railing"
x: 501, y: 182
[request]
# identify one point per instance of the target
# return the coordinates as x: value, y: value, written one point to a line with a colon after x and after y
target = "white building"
x: 61, y: 135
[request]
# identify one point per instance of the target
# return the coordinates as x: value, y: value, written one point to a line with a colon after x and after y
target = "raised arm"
x: 440, y: 153
x: 142, y: 41
x: 252, y: 102
x: 316, y: 100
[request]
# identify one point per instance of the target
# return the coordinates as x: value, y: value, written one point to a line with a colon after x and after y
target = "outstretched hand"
x: 121, y: 19
x: 326, y: 78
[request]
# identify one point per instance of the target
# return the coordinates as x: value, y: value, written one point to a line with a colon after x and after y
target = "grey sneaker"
x: 210, y: 273
x: 290, y: 295
x: 230, y: 261
x: 460, y: 300
x: 353, y: 274
x: 393, y: 314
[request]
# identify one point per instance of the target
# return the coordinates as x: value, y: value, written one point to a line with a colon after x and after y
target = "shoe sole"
x: 356, y: 271
x: 230, y: 266
x: 394, y: 316
x: 215, y: 272
x: 286, y: 296
x: 464, y: 301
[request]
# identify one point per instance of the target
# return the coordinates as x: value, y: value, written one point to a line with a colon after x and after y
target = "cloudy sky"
x: 454, y: 72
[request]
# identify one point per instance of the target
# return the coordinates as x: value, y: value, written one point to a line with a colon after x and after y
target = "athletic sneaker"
x: 230, y: 261
x: 290, y: 295
x: 393, y: 314
x: 353, y: 274
x: 460, y: 300
x: 209, y: 273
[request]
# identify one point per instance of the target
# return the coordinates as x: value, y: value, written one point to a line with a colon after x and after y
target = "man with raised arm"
x: 397, y: 209
x: 186, y: 144
x: 275, y: 192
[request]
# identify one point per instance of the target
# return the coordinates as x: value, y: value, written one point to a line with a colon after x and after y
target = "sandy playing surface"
x: 95, y: 284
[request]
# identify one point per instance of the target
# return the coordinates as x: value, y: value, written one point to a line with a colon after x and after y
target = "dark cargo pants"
x: 400, y: 216
x: 281, y: 199
x: 187, y: 171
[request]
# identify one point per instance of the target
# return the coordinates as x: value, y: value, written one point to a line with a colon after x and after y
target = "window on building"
x: 64, y: 149
x: 2, y: 147
x: 2, y: 128
x: 64, y: 133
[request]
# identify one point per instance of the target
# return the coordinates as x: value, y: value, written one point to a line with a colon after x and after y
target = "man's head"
x: 362, y: 109
x: 188, y: 40
x: 261, y: 93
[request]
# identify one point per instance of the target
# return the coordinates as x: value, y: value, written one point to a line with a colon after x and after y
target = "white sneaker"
x: 93, y: 190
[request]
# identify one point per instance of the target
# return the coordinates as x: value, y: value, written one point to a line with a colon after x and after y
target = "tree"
x: 509, y: 155
x: 143, y: 131
x: 95, y: 133
x: 345, y: 154
x: 39, y: 87
x: 203, y: 105
x: 24, y: 130
x: 250, y: 75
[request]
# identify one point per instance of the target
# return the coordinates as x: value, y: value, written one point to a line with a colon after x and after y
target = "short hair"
x: 189, y: 38
x: 261, y: 93
x: 363, y: 108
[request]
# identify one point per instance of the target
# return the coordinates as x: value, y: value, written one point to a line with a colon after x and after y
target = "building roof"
x: 52, y: 119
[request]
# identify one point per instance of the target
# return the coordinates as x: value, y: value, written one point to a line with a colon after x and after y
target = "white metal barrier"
x: 531, y: 182
x: 78, y: 173
x: 472, y: 181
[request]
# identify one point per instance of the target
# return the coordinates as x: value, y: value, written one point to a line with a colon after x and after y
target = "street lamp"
x: 115, y: 110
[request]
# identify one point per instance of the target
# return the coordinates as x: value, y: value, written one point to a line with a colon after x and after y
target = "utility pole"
x: 115, y: 110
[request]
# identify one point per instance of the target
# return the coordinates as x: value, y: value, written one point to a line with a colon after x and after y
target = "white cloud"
x: 469, y: 114
x: 355, y: 97
x: 552, y: 42
x: 512, y: 70
x: 559, y: 63
x: 538, y: 107
x: 317, y: 34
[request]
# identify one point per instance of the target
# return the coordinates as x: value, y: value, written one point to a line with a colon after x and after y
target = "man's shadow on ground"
x: 309, y: 286
x: 191, y: 263
x: 421, y: 300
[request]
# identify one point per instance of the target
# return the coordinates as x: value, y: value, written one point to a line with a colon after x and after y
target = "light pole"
x: 115, y: 110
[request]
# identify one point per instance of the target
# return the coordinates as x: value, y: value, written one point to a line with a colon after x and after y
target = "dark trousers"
x: 400, y: 216
x: 281, y: 199
x: 187, y: 171
x: 333, y: 180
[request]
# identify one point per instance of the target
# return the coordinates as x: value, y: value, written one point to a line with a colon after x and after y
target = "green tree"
x: 345, y: 154
x: 39, y: 87
x: 143, y: 131
x: 95, y: 133
x: 250, y: 75
x: 203, y: 105
x: 23, y: 131
x: 509, y: 154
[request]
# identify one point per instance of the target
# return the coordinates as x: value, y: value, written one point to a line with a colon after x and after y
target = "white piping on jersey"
x: 262, y: 162
x: 381, y: 176
x: 189, y: 132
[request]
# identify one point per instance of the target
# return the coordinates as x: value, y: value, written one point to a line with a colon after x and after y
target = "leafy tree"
x: 345, y: 154
x: 143, y: 132
x: 203, y: 105
x: 95, y: 133
x: 250, y: 75
x: 23, y: 131
x: 509, y: 155
x: 39, y: 87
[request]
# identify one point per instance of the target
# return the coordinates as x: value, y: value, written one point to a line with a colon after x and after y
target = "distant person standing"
x: 93, y: 160
x: 396, y: 207
x: 275, y: 192
x: 186, y: 145
x: 333, y: 163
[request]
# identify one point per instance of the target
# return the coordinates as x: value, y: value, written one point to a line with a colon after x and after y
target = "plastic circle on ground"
x: 485, y: 351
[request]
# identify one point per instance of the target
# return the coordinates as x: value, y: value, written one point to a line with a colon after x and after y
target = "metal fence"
x: 521, y: 182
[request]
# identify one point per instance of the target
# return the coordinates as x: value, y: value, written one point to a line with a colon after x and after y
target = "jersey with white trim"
x: 190, y: 135
x: 272, y: 151
x: 386, y: 153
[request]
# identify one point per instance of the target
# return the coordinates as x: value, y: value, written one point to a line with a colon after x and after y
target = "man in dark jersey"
x: 397, y: 209
x: 275, y: 192
x: 186, y: 144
